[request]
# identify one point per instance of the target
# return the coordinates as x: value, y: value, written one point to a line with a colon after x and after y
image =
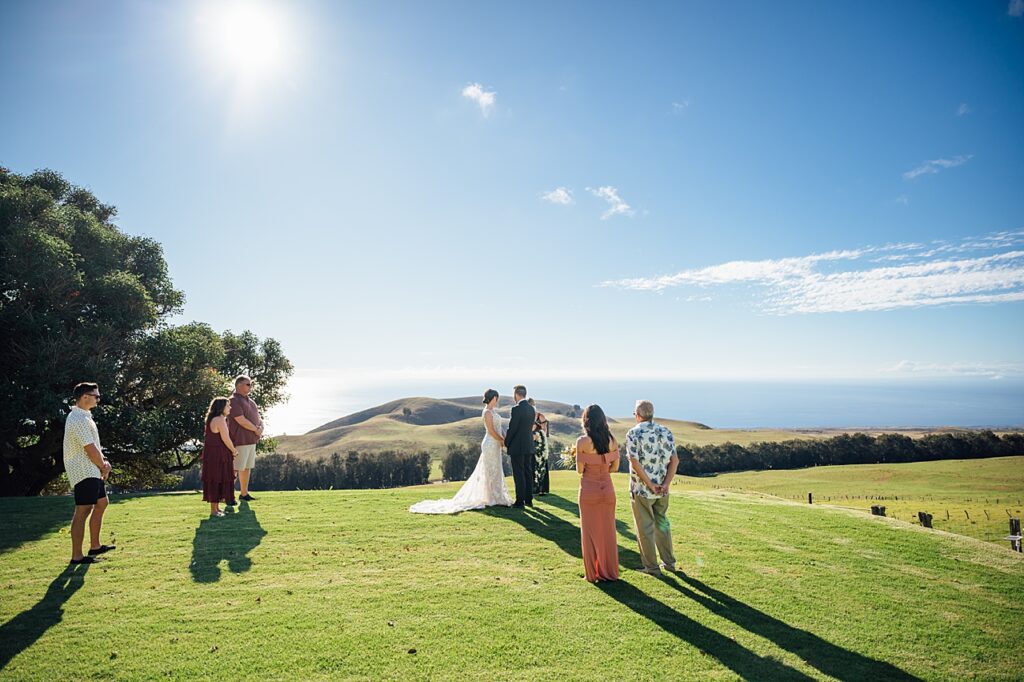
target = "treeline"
x: 857, y: 448
x: 460, y: 459
x: 355, y: 470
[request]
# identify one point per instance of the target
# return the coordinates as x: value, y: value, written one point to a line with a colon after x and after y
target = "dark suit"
x: 519, y: 442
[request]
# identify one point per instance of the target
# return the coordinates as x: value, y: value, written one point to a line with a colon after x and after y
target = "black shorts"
x: 89, y: 491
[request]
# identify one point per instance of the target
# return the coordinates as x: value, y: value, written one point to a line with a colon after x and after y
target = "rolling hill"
x: 429, y: 424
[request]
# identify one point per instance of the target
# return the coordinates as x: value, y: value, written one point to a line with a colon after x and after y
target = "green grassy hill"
x: 429, y: 424
x: 972, y: 497
x: 349, y: 585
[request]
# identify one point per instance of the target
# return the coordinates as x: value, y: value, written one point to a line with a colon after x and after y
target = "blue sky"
x: 660, y: 181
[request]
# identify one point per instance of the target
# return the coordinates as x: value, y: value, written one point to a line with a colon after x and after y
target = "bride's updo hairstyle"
x: 595, y: 424
x: 489, y: 395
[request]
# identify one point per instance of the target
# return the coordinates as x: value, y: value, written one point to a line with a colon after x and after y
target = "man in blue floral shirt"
x: 652, y: 464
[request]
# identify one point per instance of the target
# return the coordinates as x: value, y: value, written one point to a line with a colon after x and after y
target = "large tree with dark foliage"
x: 82, y: 301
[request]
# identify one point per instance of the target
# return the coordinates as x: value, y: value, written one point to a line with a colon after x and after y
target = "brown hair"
x: 595, y: 424
x: 489, y: 395
x: 519, y: 390
x: 216, y: 408
x: 83, y: 388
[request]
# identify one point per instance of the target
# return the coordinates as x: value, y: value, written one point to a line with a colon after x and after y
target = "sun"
x: 245, y: 40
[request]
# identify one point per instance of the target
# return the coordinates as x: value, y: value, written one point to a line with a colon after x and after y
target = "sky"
x: 411, y: 192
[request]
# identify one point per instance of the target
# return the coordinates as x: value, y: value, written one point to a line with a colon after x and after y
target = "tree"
x: 82, y: 301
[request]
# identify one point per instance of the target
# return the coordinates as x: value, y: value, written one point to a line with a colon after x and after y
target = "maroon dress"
x: 218, y: 469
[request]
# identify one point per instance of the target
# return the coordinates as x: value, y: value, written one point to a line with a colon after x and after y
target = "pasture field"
x: 349, y: 585
x: 973, y: 497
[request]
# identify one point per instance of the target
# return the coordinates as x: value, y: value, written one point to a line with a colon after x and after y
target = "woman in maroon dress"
x: 218, y: 458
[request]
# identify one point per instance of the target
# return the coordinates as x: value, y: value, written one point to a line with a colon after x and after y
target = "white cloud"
x: 616, y: 206
x: 559, y: 195
x: 681, y: 106
x: 1016, y: 8
x: 936, y: 165
x: 977, y: 270
x: 902, y: 199
x: 484, y: 99
x: 964, y: 108
x: 997, y: 370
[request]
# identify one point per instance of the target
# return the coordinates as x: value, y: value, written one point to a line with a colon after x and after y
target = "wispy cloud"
x: 484, y: 99
x: 902, y: 199
x: 1016, y: 8
x: 936, y: 165
x: 616, y: 206
x: 988, y: 269
x: 965, y: 108
x: 559, y: 195
x: 991, y: 370
x: 682, y: 105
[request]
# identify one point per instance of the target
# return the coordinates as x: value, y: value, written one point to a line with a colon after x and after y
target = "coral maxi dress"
x: 597, y: 517
x: 218, y: 469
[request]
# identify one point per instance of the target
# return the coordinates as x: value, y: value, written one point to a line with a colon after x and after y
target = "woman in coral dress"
x: 597, y: 456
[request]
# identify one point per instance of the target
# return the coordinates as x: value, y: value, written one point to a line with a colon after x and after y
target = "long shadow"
x: 621, y: 526
x: 823, y: 655
x: 22, y: 631
x: 830, y: 659
x: 229, y: 538
x: 742, y: 661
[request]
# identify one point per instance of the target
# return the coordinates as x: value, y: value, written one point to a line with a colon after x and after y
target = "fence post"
x: 810, y: 498
x: 1014, y: 536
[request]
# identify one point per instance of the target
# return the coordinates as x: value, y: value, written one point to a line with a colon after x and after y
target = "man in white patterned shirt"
x: 87, y: 469
x: 652, y: 463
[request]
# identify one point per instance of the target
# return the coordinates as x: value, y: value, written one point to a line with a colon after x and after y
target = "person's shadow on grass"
x: 566, y: 536
x: 228, y: 538
x: 22, y: 631
x: 828, y: 658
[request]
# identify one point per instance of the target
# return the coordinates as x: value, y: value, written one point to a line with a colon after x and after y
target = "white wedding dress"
x: 485, y: 486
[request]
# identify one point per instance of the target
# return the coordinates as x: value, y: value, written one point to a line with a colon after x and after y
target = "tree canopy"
x: 80, y: 300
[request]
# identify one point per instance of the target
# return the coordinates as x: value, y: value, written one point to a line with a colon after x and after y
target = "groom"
x: 519, y: 441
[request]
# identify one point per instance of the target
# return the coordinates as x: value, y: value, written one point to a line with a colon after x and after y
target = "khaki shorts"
x: 246, y: 457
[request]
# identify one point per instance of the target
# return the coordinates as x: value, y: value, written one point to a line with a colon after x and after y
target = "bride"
x: 486, y: 485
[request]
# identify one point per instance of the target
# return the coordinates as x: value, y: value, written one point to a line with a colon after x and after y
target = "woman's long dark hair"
x: 216, y: 409
x: 595, y: 423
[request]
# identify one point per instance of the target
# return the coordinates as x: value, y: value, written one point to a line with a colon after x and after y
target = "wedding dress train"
x: 485, y: 486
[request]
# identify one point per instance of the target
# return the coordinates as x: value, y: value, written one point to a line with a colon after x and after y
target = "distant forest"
x: 394, y: 469
x: 857, y: 448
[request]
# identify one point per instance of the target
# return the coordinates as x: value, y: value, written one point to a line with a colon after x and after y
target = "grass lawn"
x: 349, y: 585
x: 972, y: 497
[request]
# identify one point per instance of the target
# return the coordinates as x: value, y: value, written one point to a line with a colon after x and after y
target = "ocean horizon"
x: 746, y: 404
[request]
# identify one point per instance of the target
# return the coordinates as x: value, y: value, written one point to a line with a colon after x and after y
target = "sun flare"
x: 246, y: 41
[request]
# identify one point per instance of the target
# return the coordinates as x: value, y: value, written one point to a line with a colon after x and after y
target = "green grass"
x: 972, y: 497
x: 348, y: 584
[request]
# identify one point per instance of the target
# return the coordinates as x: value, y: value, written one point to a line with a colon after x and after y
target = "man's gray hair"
x: 645, y: 410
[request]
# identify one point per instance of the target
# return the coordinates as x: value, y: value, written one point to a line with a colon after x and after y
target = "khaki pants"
x: 653, y: 530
